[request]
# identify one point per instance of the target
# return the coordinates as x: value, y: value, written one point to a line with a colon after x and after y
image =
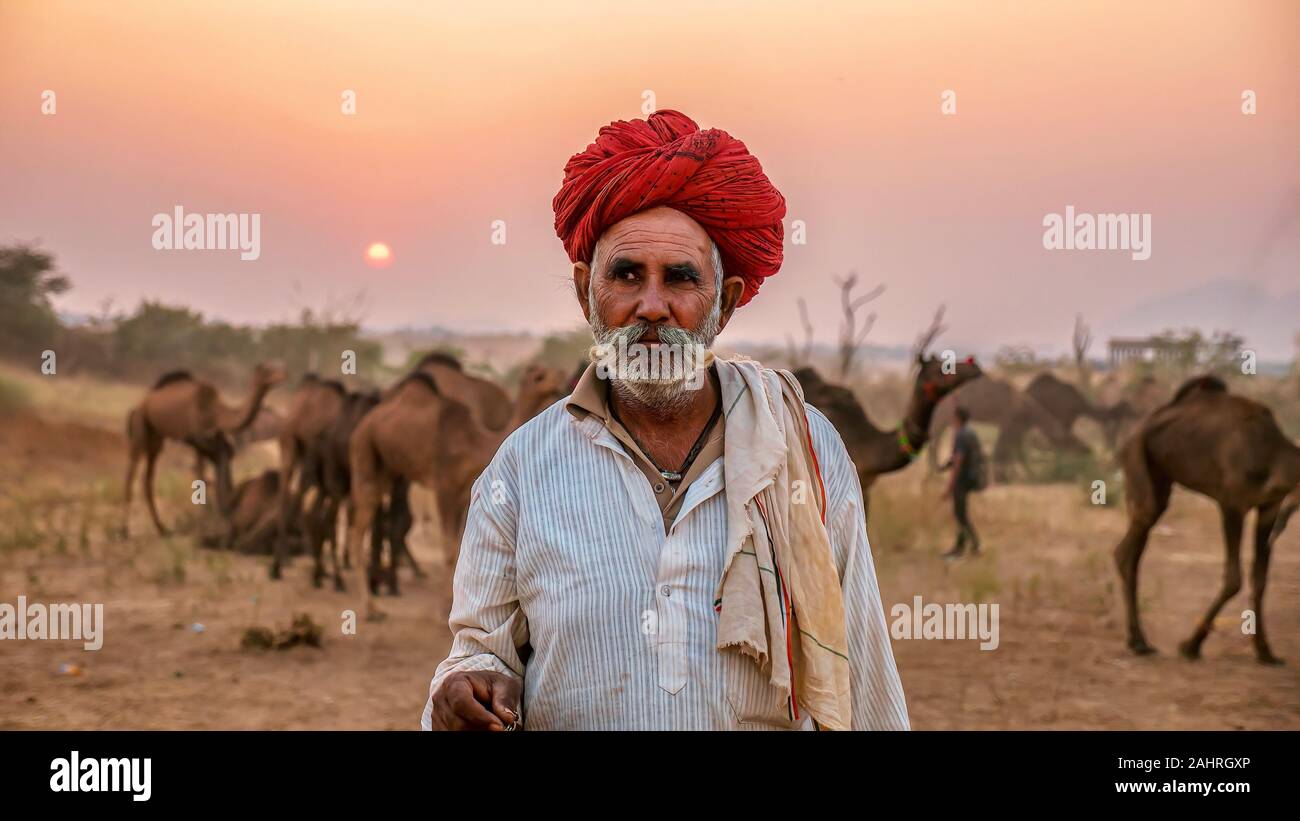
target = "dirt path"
x: 1061, y: 662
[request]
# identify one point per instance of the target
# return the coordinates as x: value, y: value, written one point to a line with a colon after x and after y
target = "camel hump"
x: 439, y: 358
x: 173, y: 376
x: 808, y: 376
x: 1205, y: 384
x: 423, y: 378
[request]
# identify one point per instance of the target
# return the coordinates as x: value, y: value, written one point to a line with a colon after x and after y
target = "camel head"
x: 1116, y: 420
x: 934, y: 381
x: 539, y: 387
x: 268, y: 374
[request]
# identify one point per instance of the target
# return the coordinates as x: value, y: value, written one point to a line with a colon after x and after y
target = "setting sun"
x: 378, y: 255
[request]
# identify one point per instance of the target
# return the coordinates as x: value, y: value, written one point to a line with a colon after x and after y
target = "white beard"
x: 661, y: 391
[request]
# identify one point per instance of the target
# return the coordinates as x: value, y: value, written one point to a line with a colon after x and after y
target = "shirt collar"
x: 590, y: 396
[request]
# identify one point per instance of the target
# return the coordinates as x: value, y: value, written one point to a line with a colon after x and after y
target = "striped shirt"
x: 565, y: 551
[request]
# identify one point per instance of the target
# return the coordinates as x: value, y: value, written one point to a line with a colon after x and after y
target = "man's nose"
x: 652, y: 304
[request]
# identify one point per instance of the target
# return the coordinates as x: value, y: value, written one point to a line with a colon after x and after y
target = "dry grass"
x: 1061, y: 662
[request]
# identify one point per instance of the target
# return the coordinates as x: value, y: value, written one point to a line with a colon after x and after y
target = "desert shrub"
x: 27, y: 282
x: 13, y: 396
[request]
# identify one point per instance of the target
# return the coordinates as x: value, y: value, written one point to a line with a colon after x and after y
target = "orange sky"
x: 466, y: 114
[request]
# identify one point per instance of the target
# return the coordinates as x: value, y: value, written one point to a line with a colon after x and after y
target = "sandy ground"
x: 1061, y: 662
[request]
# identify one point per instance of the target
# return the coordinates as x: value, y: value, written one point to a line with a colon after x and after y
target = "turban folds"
x: 666, y: 160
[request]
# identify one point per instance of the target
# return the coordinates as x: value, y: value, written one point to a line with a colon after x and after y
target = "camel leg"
x: 289, y: 468
x: 937, y: 427
x: 335, y: 559
x: 200, y: 466
x: 366, y: 498
x: 377, y: 572
x: 150, y: 462
x: 1258, y: 576
x: 400, y: 521
x: 291, y: 508
x: 318, y: 520
x: 133, y: 460
x: 1232, y: 524
x: 449, y: 518
x: 1006, y: 451
x: 1127, y: 556
x: 221, y: 456
x: 1147, y: 495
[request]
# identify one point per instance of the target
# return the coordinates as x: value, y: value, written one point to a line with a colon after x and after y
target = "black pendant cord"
x: 673, y: 475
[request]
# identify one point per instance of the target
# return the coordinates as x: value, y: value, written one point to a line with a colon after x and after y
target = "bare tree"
x: 926, y: 338
x: 851, y: 336
x: 799, y: 357
x: 1082, y: 342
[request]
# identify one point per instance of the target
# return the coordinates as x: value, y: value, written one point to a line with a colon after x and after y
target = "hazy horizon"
x: 465, y: 116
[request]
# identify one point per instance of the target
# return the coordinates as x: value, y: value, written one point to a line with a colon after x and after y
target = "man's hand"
x: 476, y: 700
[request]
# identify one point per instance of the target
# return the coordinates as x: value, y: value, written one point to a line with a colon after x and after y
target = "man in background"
x: 966, y: 466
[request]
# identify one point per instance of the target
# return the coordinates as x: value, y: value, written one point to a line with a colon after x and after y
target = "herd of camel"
x: 357, y: 453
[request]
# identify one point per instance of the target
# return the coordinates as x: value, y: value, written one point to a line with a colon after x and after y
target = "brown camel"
x: 1230, y: 449
x: 1064, y: 402
x: 250, y: 524
x: 418, y: 435
x: 335, y: 483
x: 488, y: 403
x: 877, y: 451
x: 996, y: 402
x: 190, y: 410
x: 312, y: 410
x: 1141, y: 396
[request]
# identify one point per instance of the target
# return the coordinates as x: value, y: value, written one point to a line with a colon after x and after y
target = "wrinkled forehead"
x: 657, y: 235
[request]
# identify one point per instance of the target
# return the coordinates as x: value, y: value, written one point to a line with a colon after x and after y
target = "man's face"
x: 653, y: 282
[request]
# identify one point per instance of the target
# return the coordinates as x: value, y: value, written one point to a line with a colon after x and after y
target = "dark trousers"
x: 965, y: 530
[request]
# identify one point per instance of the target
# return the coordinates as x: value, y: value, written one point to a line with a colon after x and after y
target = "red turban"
x: 667, y: 160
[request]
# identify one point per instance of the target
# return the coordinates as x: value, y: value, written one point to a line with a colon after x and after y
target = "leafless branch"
x: 851, y: 336
x: 926, y: 338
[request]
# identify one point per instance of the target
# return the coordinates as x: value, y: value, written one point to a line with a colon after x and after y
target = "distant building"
x: 1219, y: 350
x: 1153, y: 349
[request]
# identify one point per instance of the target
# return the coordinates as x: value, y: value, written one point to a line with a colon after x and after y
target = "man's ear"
x: 582, y: 287
x: 732, y: 289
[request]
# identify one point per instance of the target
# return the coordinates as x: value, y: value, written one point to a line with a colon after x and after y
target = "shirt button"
x: 659, y: 487
x: 666, y: 590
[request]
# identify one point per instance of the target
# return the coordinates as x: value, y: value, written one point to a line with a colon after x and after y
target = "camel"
x: 994, y: 401
x: 1226, y: 447
x: 250, y: 524
x: 875, y: 451
x: 313, y: 455
x: 335, y: 483
x: 186, y: 409
x: 1141, y: 397
x: 314, y: 452
x: 418, y: 435
x: 1064, y: 402
x: 488, y: 403
x: 312, y: 410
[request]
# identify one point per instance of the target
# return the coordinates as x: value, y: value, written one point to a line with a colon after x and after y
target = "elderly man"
x: 678, y: 547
